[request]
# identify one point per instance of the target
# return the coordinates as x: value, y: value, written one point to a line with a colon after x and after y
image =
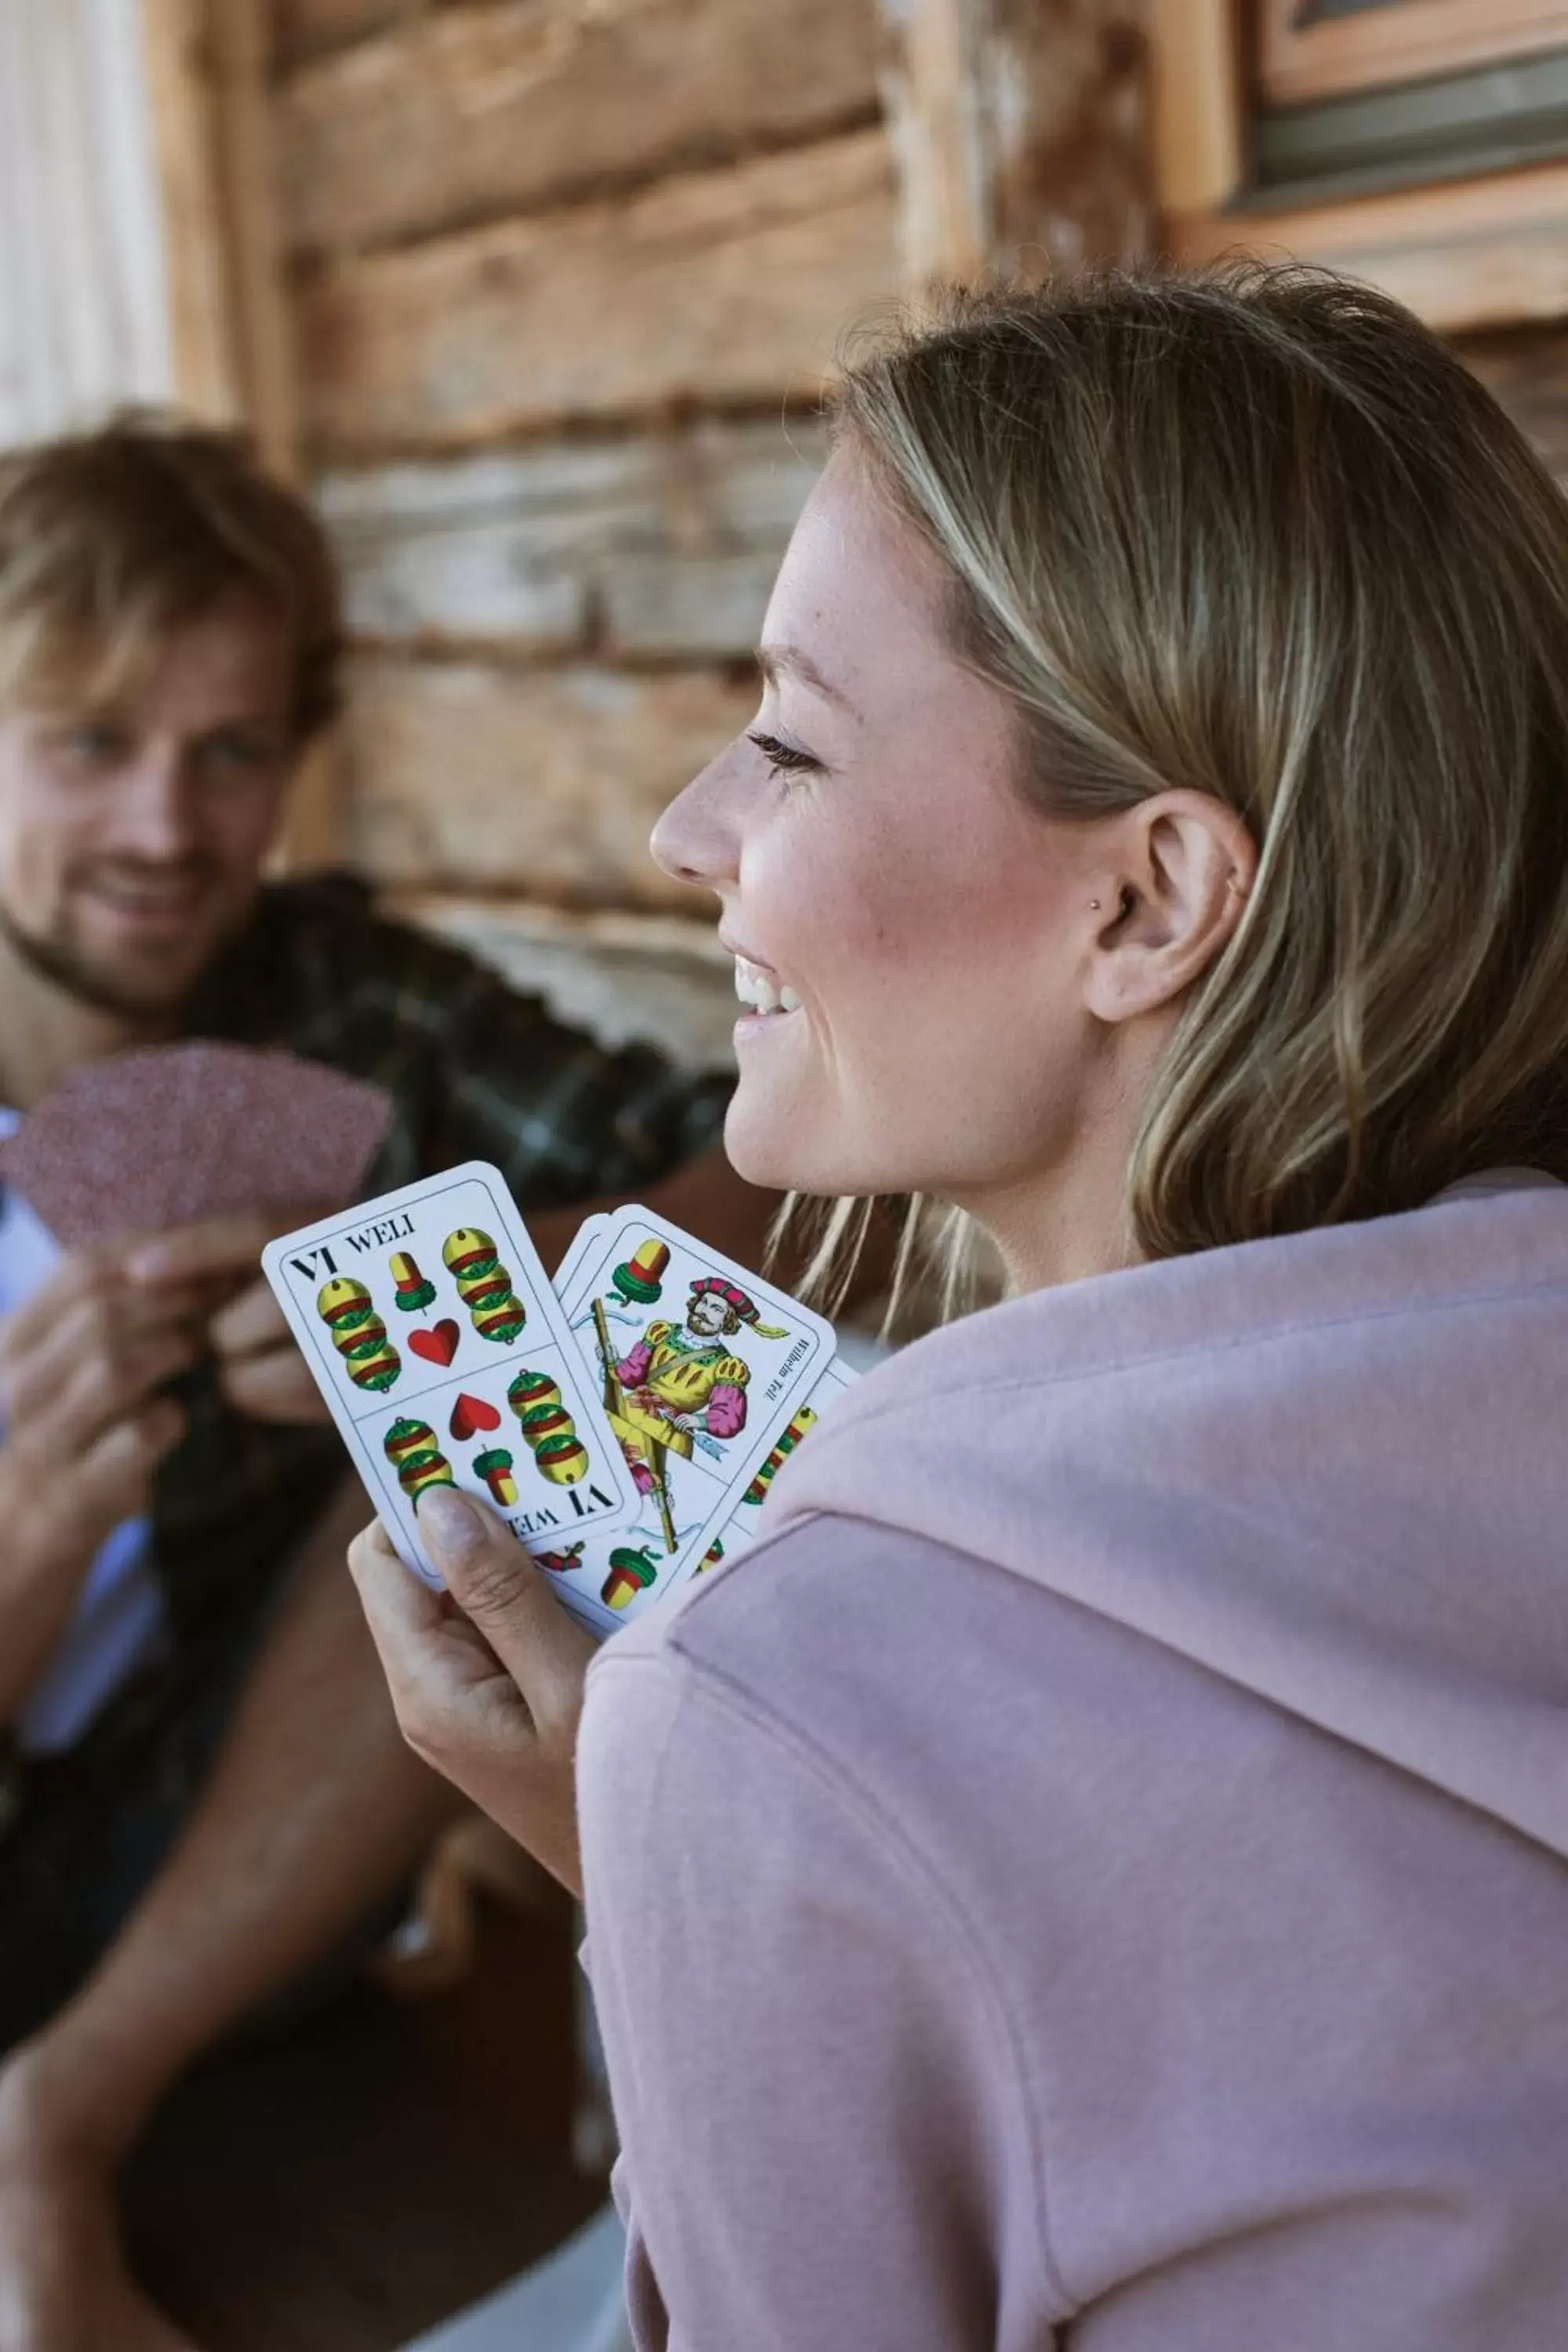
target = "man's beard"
x: 64, y: 967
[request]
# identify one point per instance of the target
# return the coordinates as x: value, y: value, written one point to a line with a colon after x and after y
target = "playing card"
x: 701, y: 1365
x: 581, y: 1242
x: 742, y: 1528
x: 150, y: 1140
x: 433, y: 1332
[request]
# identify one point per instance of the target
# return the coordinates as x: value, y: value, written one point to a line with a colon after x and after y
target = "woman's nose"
x: 694, y: 840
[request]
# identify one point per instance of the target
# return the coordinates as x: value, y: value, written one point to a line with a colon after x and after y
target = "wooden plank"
x: 934, y: 118
x: 260, y: 319
x: 207, y: 367
x: 474, y: 112
x: 229, y: 316
x: 247, y: 178
x: 1527, y: 370
x: 272, y: 2207
x: 1022, y: 134
x: 302, y: 29
x: 1398, y: 41
x: 473, y: 779
x: 1198, y: 110
x: 662, y: 545
x: 718, y: 286
x: 1464, y: 254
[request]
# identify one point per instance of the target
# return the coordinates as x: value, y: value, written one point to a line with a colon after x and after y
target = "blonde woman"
x: 1098, y: 1875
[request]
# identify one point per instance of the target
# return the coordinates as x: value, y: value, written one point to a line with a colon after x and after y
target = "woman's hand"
x: 486, y: 1678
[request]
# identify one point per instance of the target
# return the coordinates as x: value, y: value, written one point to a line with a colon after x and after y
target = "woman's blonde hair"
x: 1256, y: 531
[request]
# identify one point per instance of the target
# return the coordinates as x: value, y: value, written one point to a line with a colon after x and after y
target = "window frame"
x: 1489, y: 249
x: 1397, y: 40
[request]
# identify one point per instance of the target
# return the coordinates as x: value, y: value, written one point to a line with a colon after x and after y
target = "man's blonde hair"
x: 1256, y: 531
x: 110, y: 542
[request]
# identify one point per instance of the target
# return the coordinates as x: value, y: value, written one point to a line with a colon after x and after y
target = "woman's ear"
x: 1181, y: 867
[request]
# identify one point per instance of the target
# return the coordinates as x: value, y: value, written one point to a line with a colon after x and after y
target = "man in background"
x: 203, y: 1793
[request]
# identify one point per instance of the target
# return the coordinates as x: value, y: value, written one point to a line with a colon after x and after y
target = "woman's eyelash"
x: 782, y: 758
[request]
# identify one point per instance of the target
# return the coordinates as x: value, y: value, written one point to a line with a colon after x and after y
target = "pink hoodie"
x: 1101, y: 1867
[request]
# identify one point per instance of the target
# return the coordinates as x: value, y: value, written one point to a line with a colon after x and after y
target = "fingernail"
x: 449, y: 1520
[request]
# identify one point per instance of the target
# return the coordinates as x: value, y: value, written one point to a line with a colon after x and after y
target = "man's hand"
x: 486, y: 1679
x: 80, y: 1368
x: 262, y: 1371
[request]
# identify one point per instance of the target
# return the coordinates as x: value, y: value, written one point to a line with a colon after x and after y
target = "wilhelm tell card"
x: 446, y: 1359
x: 701, y: 1367
x: 741, y: 1530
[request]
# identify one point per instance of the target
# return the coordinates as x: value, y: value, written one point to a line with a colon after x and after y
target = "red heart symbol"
x: 470, y: 1415
x: 437, y: 1346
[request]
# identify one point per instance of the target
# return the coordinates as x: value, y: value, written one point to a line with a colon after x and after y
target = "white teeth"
x: 760, y: 991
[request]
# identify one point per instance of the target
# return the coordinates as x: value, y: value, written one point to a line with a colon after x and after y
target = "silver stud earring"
x: 1095, y: 904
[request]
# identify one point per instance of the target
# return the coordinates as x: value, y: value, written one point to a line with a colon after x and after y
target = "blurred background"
x: 535, y: 298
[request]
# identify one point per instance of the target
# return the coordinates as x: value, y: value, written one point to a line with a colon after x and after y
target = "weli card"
x: 446, y: 1359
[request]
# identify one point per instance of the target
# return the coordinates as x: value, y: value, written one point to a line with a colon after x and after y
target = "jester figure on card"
x: 680, y: 1388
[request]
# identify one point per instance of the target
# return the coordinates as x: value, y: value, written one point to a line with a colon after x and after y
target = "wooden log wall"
x: 1526, y: 368
x: 567, y: 276
x: 1024, y: 133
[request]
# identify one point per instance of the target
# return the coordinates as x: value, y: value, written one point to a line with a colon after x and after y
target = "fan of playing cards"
x: 145, y: 1142
x: 627, y: 1422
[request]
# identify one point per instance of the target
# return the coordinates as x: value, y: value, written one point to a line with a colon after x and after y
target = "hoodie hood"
x: 1332, y: 1467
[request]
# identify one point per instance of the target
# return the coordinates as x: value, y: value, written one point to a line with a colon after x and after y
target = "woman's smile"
x: 770, y: 998
x: 904, y: 866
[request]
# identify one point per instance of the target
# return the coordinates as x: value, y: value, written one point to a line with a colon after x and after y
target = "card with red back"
x: 152, y: 1140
